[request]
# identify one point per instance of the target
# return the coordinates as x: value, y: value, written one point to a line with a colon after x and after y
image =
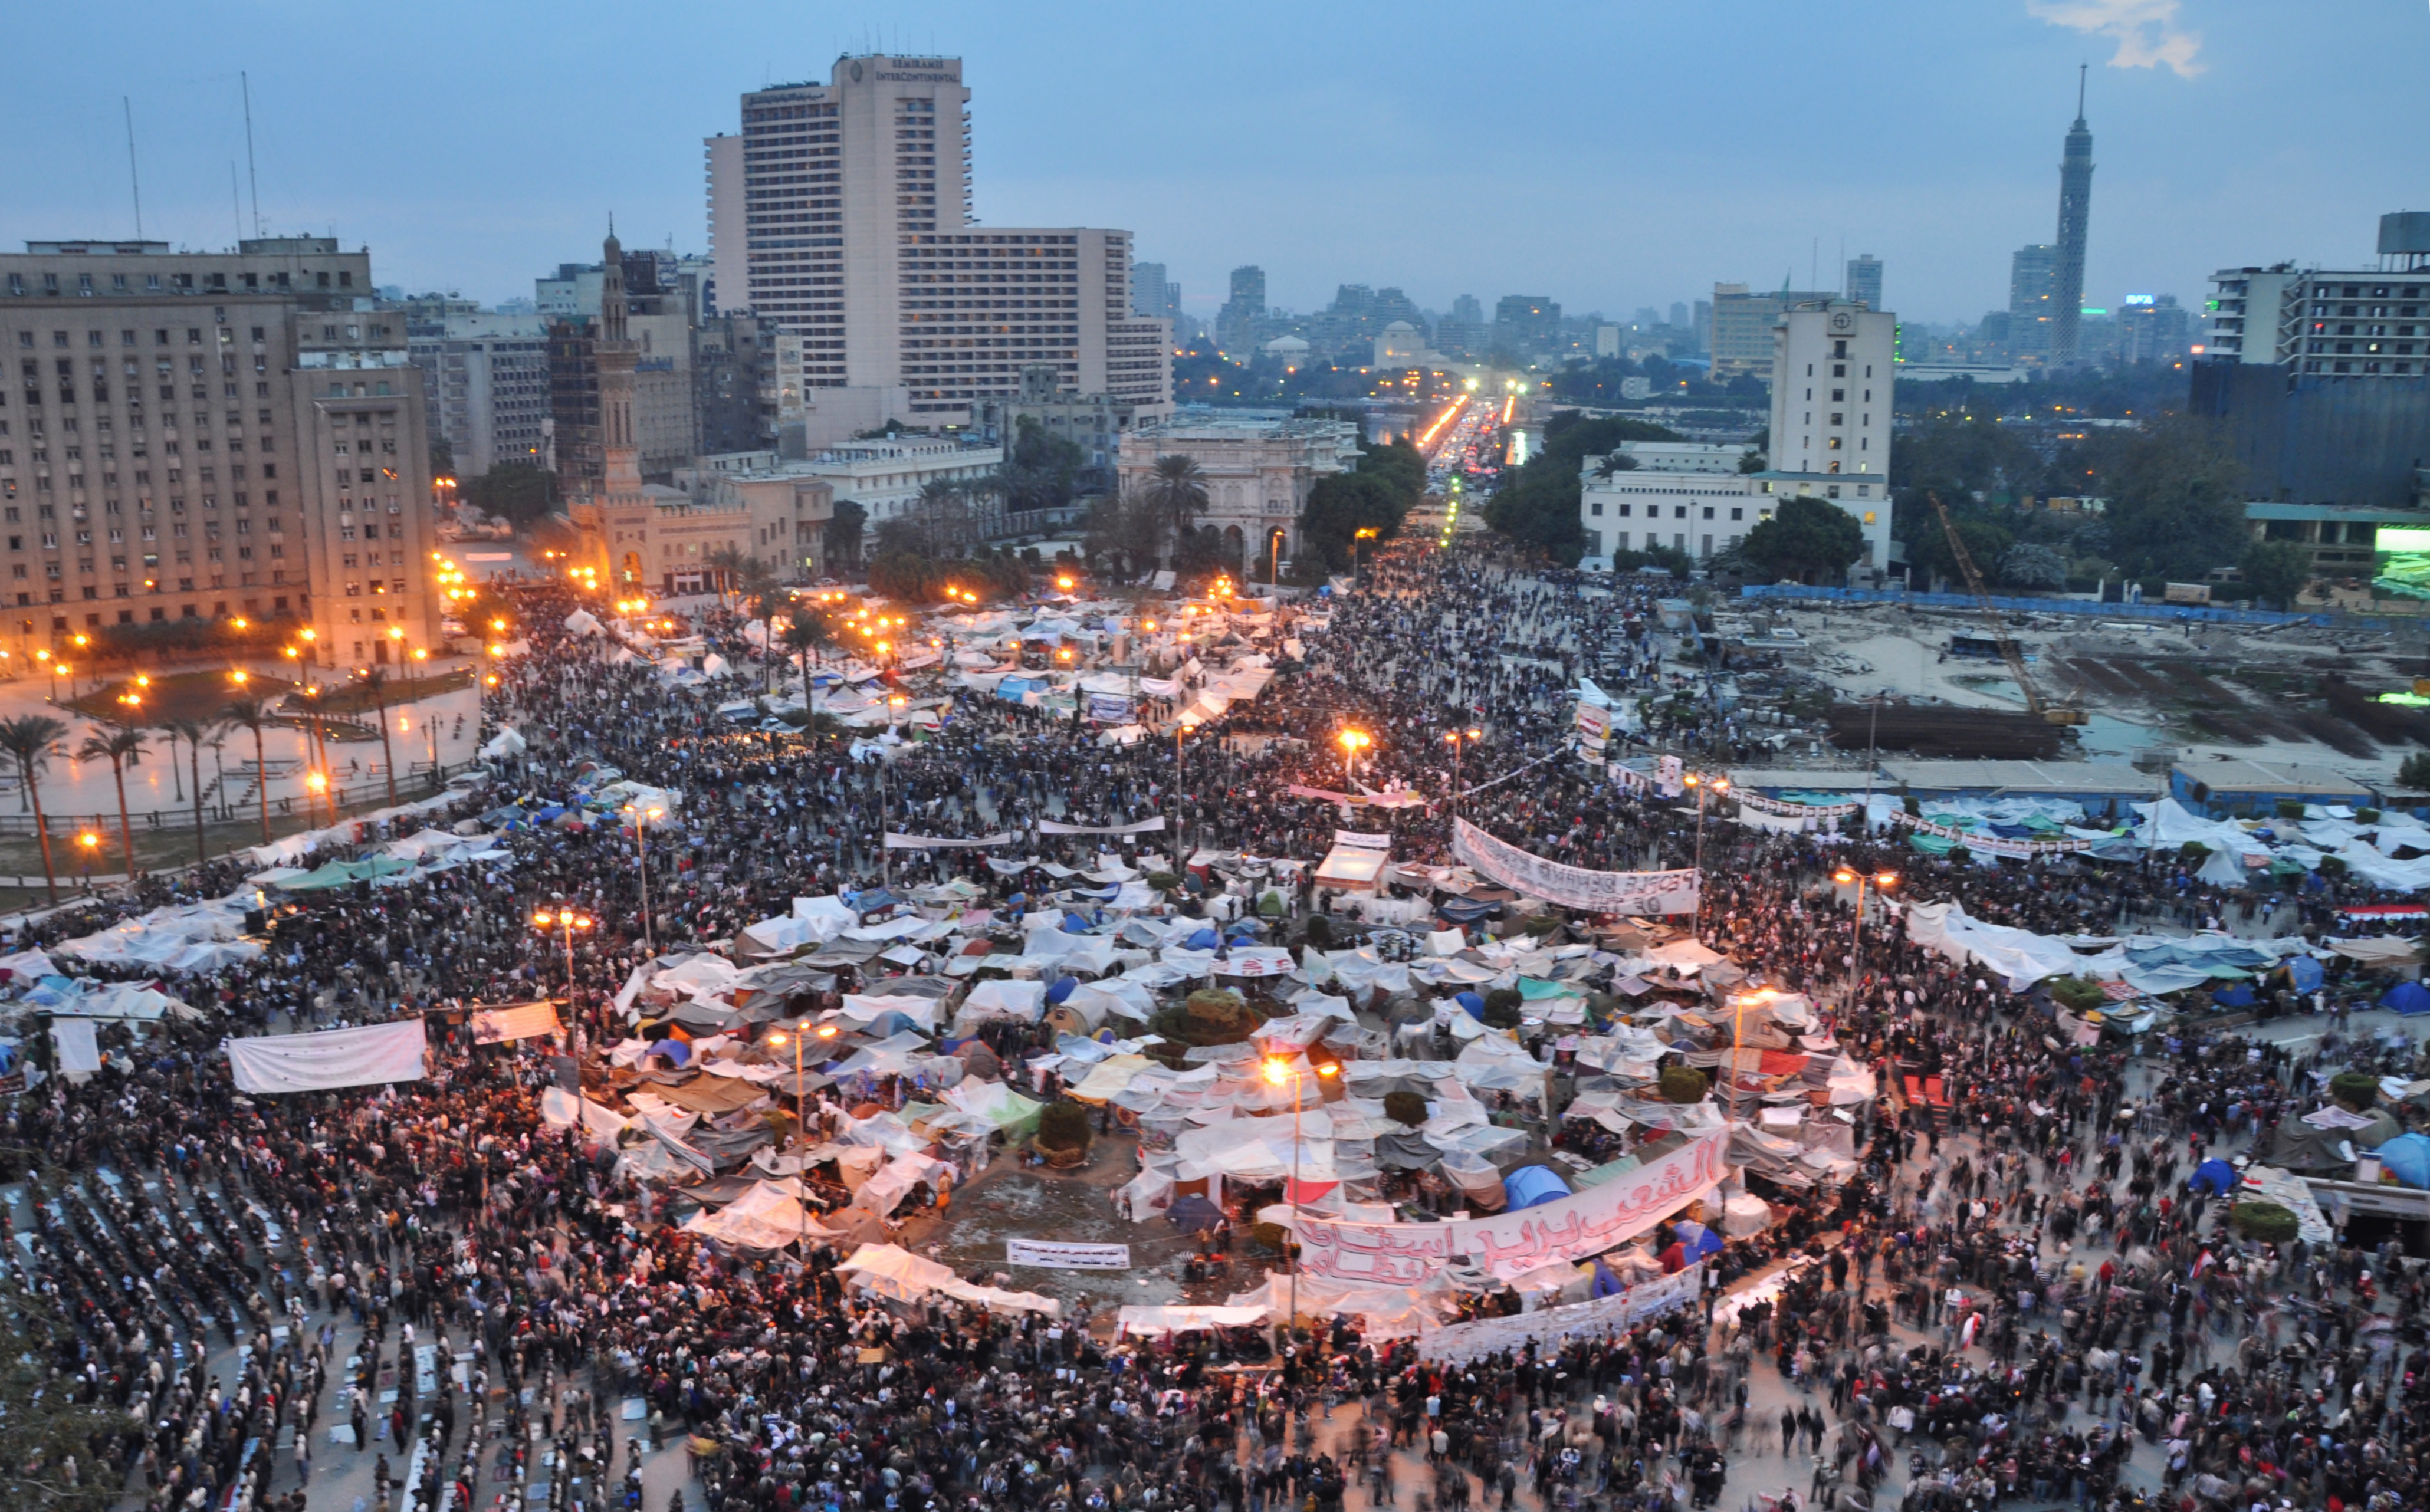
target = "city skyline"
x: 1319, y: 178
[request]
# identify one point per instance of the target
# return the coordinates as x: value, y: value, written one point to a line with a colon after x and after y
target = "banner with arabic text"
x: 1145, y: 827
x: 1777, y: 806
x: 1990, y: 844
x: 1508, y: 1244
x: 1549, y: 1327
x: 527, y: 1020
x: 1572, y: 886
x: 1362, y: 840
x: 942, y: 842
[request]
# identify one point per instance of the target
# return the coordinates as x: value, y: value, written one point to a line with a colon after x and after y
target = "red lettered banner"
x: 1508, y: 1244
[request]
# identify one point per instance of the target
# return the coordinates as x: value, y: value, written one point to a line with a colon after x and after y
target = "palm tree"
x: 193, y: 732
x: 30, y: 739
x: 1177, y: 489
x: 117, y: 744
x: 254, y: 714
x: 728, y: 563
x: 375, y: 682
x: 807, y: 633
x: 762, y: 596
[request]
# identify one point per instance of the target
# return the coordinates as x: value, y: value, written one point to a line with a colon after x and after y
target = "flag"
x: 2202, y: 1263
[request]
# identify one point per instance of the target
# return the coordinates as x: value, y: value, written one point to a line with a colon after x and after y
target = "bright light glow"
x: 1277, y: 1073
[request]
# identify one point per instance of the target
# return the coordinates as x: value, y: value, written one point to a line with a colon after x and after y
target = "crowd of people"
x: 2016, y: 1299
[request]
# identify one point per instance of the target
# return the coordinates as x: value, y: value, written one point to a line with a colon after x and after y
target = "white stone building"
x: 1256, y: 473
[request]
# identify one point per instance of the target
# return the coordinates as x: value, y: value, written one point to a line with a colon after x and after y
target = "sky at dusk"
x: 1605, y: 155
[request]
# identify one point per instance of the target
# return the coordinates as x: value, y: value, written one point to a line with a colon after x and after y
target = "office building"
x: 1237, y: 323
x: 1095, y: 423
x: 857, y: 233
x: 1695, y: 511
x: 1461, y: 332
x: 728, y: 291
x: 2075, y: 215
x: 1679, y: 315
x: 1832, y: 375
x: 1741, y: 322
x: 2154, y: 328
x: 661, y: 294
x: 2032, y: 301
x: 204, y: 435
x: 1257, y: 473
x: 1700, y: 326
x: 2365, y: 324
x: 1154, y: 296
x: 485, y: 386
x: 1526, y: 324
x: 1865, y: 280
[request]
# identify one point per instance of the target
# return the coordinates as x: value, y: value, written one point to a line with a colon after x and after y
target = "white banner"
x: 1067, y: 1256
x: 1508, y: 1244
x: 1990, y: 844
x: 1594, y: 726
x: 1361, y: 840
x: 367, y: 1056
x: 940, y: 842
x: 529, y: 1021
x: 1636, y: 893
x: 1549, y: 1327
x: 1145, y: 827
x: 1774, y: 806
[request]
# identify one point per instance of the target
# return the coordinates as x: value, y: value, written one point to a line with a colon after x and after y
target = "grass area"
x: 353, y: 698
x: 181, y: 695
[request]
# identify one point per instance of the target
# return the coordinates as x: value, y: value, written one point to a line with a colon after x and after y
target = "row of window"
x: 177, y: 283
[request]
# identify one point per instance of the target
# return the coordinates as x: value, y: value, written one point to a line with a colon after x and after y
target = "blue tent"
x: 1474, y: 1004
x: 1605, y: 1282
x: 2407, y: 1157
x: 1062, y: 988
x: 1073, y: 921
x: 2216, y: 1176
x: 675, y: 1050
x: 2407, y: 997
x: 2305, y: 975
x: 1204, y: 940
x: 1193, y: 1214
x: 2239, y: 996
x: 1695, y: 1238
x: 1466, y: 910
x: 1530, y: 1185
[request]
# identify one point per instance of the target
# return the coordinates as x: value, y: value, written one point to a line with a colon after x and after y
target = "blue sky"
x: 1608, y: 155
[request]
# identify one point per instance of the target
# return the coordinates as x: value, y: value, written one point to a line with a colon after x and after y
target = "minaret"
x: 620, y: 487
x: 2074, y: 213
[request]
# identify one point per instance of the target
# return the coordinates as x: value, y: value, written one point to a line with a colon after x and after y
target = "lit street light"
x: 1880, y: 882
x: 1278, y: 1070
x: 566, y: 920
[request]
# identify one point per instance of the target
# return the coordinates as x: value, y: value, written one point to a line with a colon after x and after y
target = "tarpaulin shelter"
x: 1193, y: 1214
x: 2407, y: 1159
x: 2216, y: 1176
x: 1531, y: 1184
x: 2406, y: 998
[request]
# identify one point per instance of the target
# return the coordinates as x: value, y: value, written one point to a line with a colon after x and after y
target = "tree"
x: 728, y: 563
x: 2276, y: 570
x: 2030, y: 564
x: 840, y: 543
x: 1342, y: 504
x: 48, y: 1421
x: 1203, y: 552
x: 30, y: 739
x: 523, y: 493
x: 763, y: 595
x: 1041, y: 470
x: 1806, y: 538
x: 1177, y: 489
x: 1927, y: 550
x: 2413, y: 777
x: 1538, y: 506
x: 195, y: 733
x: 2176, y: 497
x: 117, y: 744
x: 1125, y: 527
x: 254, y: 714
x: 807, y: 633
x: 374, y: 683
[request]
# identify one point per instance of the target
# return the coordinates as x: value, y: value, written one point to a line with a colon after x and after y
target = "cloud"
x: 2146, y: 31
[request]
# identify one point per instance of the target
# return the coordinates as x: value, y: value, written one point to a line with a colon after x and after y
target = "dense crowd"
x: 2014, y: 1293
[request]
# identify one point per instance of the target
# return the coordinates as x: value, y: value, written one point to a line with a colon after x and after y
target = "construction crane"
x: 2009, y: 651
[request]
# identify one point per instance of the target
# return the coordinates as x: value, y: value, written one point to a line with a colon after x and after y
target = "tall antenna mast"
x: 2081, y: 69
x: 251, y: 174
x: 236, y: 201
x: 134, y: 181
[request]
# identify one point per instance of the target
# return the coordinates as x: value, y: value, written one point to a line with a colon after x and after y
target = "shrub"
x: 1502, y: 1008
x: 1683, y: 1084
x: 2077, y: 995
x: 2368, y: 816
x: 2267, y: 1222
x: 1404, y: 1108
x: 1163, y: 881
x: 2353, y: 1089
x: 1320, y: 932
x: 2194, y: 852
x: 1063, y: 1125
x: 2290, y: 809
x: 1209, y: 1016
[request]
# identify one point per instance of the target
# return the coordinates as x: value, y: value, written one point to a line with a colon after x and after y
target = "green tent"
x: 342, y: 873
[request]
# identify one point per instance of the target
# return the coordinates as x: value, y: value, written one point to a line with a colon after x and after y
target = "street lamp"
x: 894, y: 703
x: 1352, y: 742
x: 1458, y: 738
x: 1278, y: 1070
x: 1357, y: 541
x: 566, y: 920
x: 1717, y: 786
x: 825, y: 1031
x: 1880, y: 882
x: 642, y: 818
x: 87, y: 845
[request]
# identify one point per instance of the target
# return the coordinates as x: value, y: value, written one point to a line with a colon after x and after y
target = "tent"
x: 1529, y: 1186
x: 1193, y: 1214
x: 2406, y: 998
x: 2407, y: 1159
x: 2216, y: 1176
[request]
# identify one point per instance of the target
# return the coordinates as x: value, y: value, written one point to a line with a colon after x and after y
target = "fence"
x: 418, y: 781
x: 2169, y: 612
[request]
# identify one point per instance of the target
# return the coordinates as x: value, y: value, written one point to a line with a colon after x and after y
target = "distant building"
x: 1740, y: 336
x: 2075, y: 215
x: 485, y: 383
x: 1697, y: 512
x: 1154, y: 296
x: 1524, y: 324
x: 1607, y: 342
x: 1095, y: 423
x: 1681, y: 457
x: 1236, y: 324
x: 1462, y: 332
x: 1831, y: 413
x: 2154, y: 328
x: 1257, y: 473
x: 857, y: 233
x: 1865, y: 280
x: 1401, y: 344
x: 2032, y: 308
x: 884, y: 475
x: 1701, y: 324
x: 1678, y: 315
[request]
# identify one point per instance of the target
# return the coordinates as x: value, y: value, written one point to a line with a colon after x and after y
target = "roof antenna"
x: 2081, y: 69
x: 133, y: 181
x: 236, y: 204
x: 251, y: 174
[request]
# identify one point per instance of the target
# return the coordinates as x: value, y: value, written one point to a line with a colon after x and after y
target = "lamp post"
x: 1716, y: 786
x: 565, y: 922
x: 894, y: 703
x: 1278, y: 1071
x: 825, y: 1031
x: 642, y: 818
x: 87, y: 843
x: 1352, y: 742
x: 1881, y: 882
x: 1458, y: 738
x: 1358, y: 540
x: 1180, y: 840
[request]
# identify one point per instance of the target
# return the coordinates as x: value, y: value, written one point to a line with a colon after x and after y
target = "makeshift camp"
x: 892, y: 1271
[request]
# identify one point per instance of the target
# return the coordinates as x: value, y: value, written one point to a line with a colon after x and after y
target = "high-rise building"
x: 2032, y: 300
x: 1865, y: 280
x: 2154, y: 328
x: 729, y: 287
x: 858, y: 237
x: 485, y: 379
x: 2368, y: 323
x: 1701, y: 324
x: 207, y: 435
x: 1236, y: 324
x: 1154, y: 296
x: 1741, y: 327
x: 1832, y: 374
x: 1461, y: 333
x: 1524, y: 324
x: 2074, y: 214
x: 1678, y: 315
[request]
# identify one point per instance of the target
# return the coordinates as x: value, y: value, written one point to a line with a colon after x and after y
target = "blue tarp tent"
x: 2216, y: 1176
x: 1466, y: 910
x: 1062, y: 988
x: 1193, y: 1214
x: 1204, y: 940
x: 1529, y: 1186
x: 2305, y: 975
x: 1474, y: 1004
x: 2407, y: 1157
x: 2407, y: 997
x: 2239, y: 996
x: 1696, y: 1238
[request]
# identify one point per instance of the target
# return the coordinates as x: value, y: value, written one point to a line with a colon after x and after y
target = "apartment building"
x: 485, y: 384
